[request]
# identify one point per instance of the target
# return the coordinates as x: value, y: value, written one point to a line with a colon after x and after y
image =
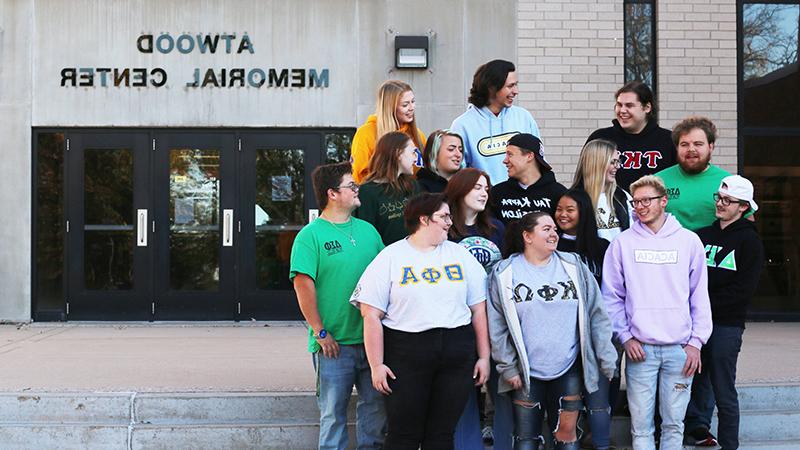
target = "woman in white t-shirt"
x: 423, y: 300
x: 596, y: 174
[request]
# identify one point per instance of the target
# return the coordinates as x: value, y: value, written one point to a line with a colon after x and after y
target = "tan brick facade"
x: 570, y: 63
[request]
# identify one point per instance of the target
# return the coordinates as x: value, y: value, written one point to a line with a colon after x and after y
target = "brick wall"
x: 570, y: 63
x: 697, y: 67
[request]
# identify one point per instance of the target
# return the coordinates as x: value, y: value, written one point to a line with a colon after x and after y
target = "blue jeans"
x: 598, y: 411
x: 661, y: 372
x: 335, y: 380
x: 503, y: 422
x: 528, y: 418
x: 717, y: 385
x: 468, y: 429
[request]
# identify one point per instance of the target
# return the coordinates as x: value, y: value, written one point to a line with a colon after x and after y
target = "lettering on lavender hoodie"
x: 656, y: 286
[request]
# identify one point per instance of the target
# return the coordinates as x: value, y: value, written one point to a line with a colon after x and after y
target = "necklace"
x: 350, y: 236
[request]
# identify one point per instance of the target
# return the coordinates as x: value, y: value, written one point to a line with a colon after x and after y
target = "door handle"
x: 227, y: 228
x: 141, y: 228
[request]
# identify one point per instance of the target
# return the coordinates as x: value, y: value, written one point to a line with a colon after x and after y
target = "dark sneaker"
x: 701, y: 437
x: 487, y: 436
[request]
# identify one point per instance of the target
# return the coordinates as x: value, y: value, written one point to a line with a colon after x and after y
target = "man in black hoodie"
x: 531, y: 185
x: 735, y: 257
x: 645, y: 148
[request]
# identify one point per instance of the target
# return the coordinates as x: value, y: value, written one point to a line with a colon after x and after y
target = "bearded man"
x: 691, y: 183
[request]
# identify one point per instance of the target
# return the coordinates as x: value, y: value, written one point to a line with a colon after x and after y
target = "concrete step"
x: 221, y: 408
x: 771, y: 445
x: 208, y: 436
x: 63, y: 436
x: 212, y: 437
x: 769, y: 397
x: 127, y: 420
x: 755, y: 428
x: 759, y: 426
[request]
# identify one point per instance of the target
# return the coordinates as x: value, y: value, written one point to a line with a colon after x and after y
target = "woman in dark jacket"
x: 442, y: 158
x: 578, y: 232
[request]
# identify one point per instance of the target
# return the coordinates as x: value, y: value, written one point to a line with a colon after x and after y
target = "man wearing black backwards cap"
x: 531, y: 185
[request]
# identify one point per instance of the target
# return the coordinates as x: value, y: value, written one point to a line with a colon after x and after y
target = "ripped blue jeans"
x: 548, y: 396
x: 660, y: 373
x: 598, y: 413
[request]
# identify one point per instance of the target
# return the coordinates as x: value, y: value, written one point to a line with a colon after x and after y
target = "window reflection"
x: 639, y: 42
x: 194, y: 219
x: 337, y: 146
x: 108, y: 218
x: 771, y: 75
x: 769, y: 38
x: 279, y: 213
x: 49, y: 222
x: 775, y: 173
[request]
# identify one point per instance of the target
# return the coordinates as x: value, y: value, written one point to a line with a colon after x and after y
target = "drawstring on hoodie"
x: 490, y: 116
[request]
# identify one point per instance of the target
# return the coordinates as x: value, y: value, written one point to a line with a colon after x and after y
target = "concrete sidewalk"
x: 247, y: 357
x: 146, y: 357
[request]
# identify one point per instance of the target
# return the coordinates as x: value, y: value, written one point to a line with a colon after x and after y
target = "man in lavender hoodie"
x: 655, y: 287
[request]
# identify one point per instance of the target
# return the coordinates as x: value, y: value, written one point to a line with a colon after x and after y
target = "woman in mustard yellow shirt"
x: 394, y: 112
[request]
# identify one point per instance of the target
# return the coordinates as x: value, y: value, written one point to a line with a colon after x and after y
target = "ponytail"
x: 514, y: 242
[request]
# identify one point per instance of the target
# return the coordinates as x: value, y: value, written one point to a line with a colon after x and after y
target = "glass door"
x: 194, y: 190
x: 275, y: 200
x: 108, y: 237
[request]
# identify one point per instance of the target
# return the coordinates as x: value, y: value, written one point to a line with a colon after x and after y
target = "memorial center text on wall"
x: 196, y: 77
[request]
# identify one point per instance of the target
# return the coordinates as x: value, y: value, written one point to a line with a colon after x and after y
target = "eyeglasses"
x: 616, y: 163
x: 446, y: 218
x: 726, y: 201
x: 643, y: 201
x: 351, y: 185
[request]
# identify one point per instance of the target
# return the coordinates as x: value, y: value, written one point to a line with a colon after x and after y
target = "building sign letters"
x: 185, y: 44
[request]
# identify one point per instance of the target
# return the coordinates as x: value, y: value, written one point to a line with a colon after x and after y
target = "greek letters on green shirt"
x: 323, y: 251
x: 384, y: 211
x: 691, y: 197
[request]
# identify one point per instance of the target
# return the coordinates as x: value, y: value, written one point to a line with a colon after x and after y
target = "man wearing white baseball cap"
x: 735, y: 257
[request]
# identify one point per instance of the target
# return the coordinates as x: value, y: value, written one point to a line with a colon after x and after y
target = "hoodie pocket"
x: 662, y: 325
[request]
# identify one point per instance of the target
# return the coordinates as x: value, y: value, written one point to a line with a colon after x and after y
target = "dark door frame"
x: 282, y: 303
x: 85, y: 304
x: 169, y: 303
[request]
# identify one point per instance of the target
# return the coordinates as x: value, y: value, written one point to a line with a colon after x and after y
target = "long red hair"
x: 459, y: 185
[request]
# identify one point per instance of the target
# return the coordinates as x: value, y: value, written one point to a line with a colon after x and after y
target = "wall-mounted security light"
x: 411, y: 52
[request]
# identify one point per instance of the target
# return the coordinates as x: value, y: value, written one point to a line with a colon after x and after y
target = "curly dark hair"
x: 690, y: 123
x: 488, y: 79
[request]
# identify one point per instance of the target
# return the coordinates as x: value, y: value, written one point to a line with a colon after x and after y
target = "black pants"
x: 434, y: 378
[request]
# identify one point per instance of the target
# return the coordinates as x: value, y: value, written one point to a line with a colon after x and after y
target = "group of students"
x: 422, y: 279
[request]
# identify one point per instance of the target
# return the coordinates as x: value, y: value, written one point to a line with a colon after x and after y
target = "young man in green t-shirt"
x: 328, y: 257
x: 691, y: 183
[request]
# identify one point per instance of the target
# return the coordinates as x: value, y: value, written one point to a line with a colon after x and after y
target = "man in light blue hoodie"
x: 491, y: 118
x: 656, y: 289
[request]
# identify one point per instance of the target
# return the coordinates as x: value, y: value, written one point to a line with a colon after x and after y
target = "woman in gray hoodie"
x: 549, y: 331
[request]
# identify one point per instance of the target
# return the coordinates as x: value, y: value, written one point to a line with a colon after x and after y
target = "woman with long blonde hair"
x: 596, y: 174
x: 394, y: 112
